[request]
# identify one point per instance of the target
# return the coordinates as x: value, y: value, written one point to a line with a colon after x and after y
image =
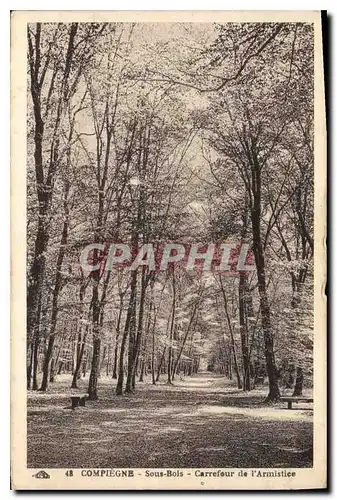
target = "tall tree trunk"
x: 143, y: 348
x: 115, y: 362
x: 274, y: 392
x: 230, y: 328
x: 194, y: 311
x: 35, y: 348
x: 136, y: 342
x: 243, y: 331
x: 104, y: 355
x: 118, y: 328
x: 81, y: 338
x: 170, y: 351
x: 57, y: 289
x: 96, y: 352
x: 93, y: 378
x: 255, y: 213
x: 52, y: 368
x: 230, y: 372
x: 128, y: 324
x: 153, y: 368
x: 160, y: 364
x: 142, y: 371
x: 98, y: 303
x: 35, y: 364
x: 132, y: 333
x: 44, y: 183
x: 30, y: 357
x: 37, y: 269
x: 79, y: 359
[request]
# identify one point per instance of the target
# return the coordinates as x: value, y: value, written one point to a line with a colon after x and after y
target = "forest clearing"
x: 200, y: 420
x: 144, y: 138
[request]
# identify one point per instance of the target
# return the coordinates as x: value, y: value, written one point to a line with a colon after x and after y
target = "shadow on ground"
x: 199, y: 422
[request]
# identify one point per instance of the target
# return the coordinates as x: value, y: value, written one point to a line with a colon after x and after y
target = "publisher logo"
x: 41, y: 475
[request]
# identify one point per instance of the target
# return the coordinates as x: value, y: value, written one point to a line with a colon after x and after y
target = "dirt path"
x: 198, y: 422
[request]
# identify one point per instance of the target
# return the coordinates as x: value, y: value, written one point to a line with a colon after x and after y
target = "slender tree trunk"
x: 52, y: 373
x: 230, y: 328
x: 101, y: 365
x: 274, y: 392
x: 37, y: 269
x: 35, y: 347
x: 134, y: 345
x: 57, y: 289
x: 153, y: 350
x: 35, y: 363
x: 132, y: 335
x: 230, y: 372
x: 243, y: 331
x: 298, y: 389
x: 143, y: 348
x: 79, y: 359
x: 160, y: 364
x: 96, y: 344
x: 142, y: 371
x: 48, y: 356
x: 81, y: 339
x: 170, y: 351
x: 44, y: 183
x: 55, y: 362
x: 194, y: 311
x: 128, y: 321
x: 118, y: 327
x: 30, y: 357
x: 108, y: 363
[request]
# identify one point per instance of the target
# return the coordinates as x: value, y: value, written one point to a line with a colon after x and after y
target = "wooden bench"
x: 78, y: 400
x: 294, y: 399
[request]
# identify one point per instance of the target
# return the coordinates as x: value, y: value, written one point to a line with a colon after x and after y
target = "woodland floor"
x: 202, y: 421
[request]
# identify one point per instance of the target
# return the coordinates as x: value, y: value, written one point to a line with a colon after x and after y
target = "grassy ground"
x: 202, y: 421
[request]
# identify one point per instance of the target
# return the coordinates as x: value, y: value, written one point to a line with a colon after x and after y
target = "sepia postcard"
x: 168, y: 201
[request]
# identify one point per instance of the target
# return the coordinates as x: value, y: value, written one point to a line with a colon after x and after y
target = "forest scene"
x: 156, y: 133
